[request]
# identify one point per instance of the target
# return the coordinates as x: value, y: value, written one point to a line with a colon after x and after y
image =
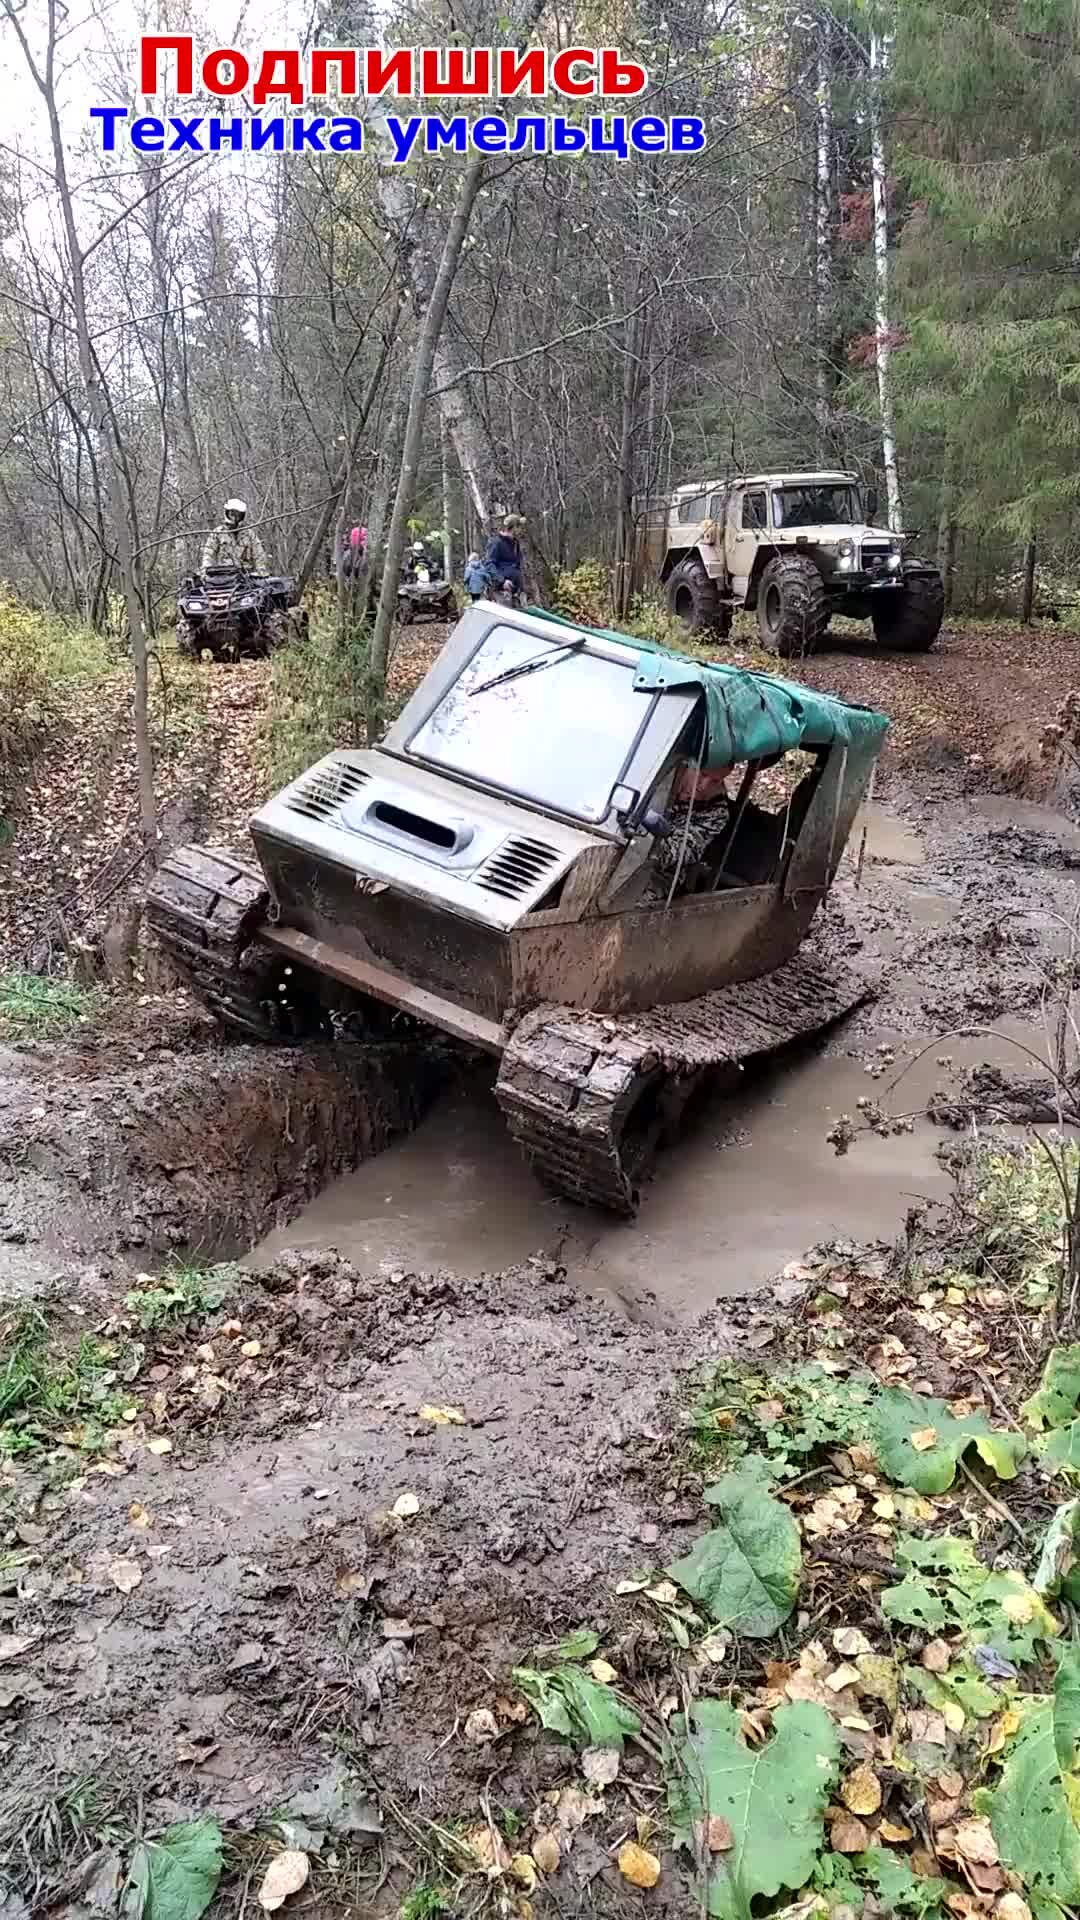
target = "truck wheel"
x: 792, y: 607
x: 695, y: 599
x: 909, y: 621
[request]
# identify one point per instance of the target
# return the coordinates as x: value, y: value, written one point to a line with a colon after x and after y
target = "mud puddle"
x: 754, y: 1182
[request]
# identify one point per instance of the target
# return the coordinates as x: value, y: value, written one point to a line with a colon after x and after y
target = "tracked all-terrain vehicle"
x: 231, y: 613
x: 521, y: 863
x: 794, y: 548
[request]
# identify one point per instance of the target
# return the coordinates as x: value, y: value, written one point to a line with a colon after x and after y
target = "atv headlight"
x: 196, y: 606
x: 846, y: 549
x: 247, y: 601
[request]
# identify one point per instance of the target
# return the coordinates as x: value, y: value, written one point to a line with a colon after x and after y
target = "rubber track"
x: 204, y: 908
x: 569, y: 1078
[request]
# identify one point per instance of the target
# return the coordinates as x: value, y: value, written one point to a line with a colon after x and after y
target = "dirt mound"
x: 194, y: 1144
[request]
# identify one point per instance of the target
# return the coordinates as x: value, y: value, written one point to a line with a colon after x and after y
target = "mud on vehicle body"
x: 513, y: 865
x: 795, y: 548
x: 230, y: 613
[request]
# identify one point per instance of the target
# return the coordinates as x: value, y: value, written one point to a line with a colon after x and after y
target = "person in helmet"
x: 232, y: 544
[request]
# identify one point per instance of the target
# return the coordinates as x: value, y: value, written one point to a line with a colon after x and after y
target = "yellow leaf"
x: 159, y: 1445
x: 842, y: 1676
x: 637, y: 1865
x: 442, y: 1416
x: 1019, y: 1607
x: 603, y: 1671
x: 546, y: 1852
x: 523, y: 1868
x: 665, y: 1594
x: 138, y: 1515
x: 405, y: 1506
x: 251, y: 1349
x: 894, y: 1833
x: 861, y: 1791
x: 923, y: 1439
x: 487, y: 1850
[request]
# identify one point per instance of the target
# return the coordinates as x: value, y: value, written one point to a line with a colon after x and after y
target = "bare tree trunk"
x: 102, y: 416
x: 622, y: 570
x: 1027, y: 600
x: 879, y: 61
x: 427, y: 340
x: 823, y: 247
x: 341, y: 479
x: 946, y: 540
x: 445, y: 452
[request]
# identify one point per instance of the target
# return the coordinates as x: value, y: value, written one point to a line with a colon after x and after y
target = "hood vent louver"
x: 517, y: 868
x: 320, y: 795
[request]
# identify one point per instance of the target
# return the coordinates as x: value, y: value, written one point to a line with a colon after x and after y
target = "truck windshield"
x: 560, y: 738
x: 833, y: 503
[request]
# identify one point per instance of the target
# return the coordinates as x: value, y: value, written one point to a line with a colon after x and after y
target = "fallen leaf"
x: 665, y: 1593
x: 124, y: 1574
x: 894, y: 1833
x: 840, y: 1677
x: 1012, y: 1907
x: 637, y: 1865
x: 951, y: 1782
x: 848, y: 1835
x: 714, y: 1647
x: 523, y: 1868
x: 442, y: 1416
x: 718, y: 1835
x: 285, y: 1875
x: 481, y: 1727
x: 600, y: 1765
x: 249, y: 1653
x: 488, y: 1850
x: 849, y: 1641
x: 603, y: 1671
x: 936, y: 1656
x: 159, y: 1445
x: 975, y: 1842
x: 631, y: 1586
x: 405, y: 1506
x: 138, y: 1515
x: 861, y: 1791
x: 923, y: 1439
x: 251, y: 1349
x: 546, y: 1852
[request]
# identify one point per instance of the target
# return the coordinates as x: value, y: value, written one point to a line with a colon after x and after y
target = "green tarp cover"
x: 749, y: 716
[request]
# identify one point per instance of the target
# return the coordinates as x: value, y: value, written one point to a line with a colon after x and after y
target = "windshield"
x: 815, y: 506
x: 560, y: 737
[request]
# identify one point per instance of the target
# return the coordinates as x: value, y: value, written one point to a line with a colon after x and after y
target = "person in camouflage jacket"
x: 232, y: 544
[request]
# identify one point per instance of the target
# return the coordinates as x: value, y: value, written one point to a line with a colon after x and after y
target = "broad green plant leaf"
x: 1063, y: 1448
x: 772, y: 1797
x: 946, y: 1585
x: 915, y: 1604
x: 1030, y: 1811
x: 575, y: 1705
x: 176, y: 1877
x: 745, y: 1572
x: 901, y: 1418
x: 1056, y: 1570
x: 900, y: 1890
x: 1067, y: 1710
x: 1056, y: 1401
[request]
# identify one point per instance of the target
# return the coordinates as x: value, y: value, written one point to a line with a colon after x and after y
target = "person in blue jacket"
x: 504, y: 560
x: 476, y: 577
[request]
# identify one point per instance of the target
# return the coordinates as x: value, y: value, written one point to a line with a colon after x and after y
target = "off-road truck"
x: 228, y: 612
x: 796, y: 548
x: 514, y: 864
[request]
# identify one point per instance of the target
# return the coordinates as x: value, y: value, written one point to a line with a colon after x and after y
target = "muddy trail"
x: 320, y: 1418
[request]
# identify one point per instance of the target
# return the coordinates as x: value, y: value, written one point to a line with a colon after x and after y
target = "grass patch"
x: 40, y: 656
x: 425, y: 1902
x: 31, y: 1004
x: 316, y: 698
x: 185, y: 1291
x: 47, y: 1388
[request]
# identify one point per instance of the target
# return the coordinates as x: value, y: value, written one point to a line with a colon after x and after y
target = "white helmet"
x: 237, y: 508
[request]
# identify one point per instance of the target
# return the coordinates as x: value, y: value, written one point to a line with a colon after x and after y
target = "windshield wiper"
x: 534, y: 664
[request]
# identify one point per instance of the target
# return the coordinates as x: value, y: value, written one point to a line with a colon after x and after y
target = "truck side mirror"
x: 871, y: 503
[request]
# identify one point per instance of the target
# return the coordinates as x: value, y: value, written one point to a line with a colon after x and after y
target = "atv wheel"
x: 792, y: 607
x: 693, y: 598
x: 909, y: 620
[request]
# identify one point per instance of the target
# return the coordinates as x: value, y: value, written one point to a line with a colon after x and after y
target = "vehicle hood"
x: 829, y: 534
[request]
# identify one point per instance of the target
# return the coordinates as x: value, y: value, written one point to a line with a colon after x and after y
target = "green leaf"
x: 900, y: 1890
x: 1059, y: 1551
x: 773, y: 1798
x: 1055, y: 1402
x: 899, y: 1414
x: 915, y: 1604
x: 176, y: 1877
x: 579, y: 1645
x: 1030, y: 1814
x: 1067, y: 1710
x: 573, y: 1704
x: 1063, y: 1448
x: 745, y: 1572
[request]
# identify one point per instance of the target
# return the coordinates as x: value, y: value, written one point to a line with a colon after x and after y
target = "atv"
x: 229, y: 613
x: 514, y: 865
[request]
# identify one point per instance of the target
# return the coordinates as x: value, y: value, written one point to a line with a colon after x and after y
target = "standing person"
x: 476, y: 578
x: 504, y: 559
x: 231, y: 544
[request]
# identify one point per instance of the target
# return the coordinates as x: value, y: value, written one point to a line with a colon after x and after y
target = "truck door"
x: 748, y: 524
